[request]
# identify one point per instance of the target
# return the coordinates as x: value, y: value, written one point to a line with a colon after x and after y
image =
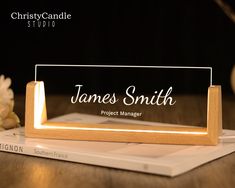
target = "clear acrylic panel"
x: 137, y: 95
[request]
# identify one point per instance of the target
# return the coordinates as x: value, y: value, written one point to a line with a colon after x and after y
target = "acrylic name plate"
x: 121, y: 97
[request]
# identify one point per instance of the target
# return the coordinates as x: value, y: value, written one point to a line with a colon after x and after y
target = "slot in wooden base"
x: 36, y: 124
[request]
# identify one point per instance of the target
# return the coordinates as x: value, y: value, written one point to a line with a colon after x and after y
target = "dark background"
x: 186, y: 33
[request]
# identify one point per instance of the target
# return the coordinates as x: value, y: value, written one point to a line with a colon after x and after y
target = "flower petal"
x: 9, y: 123
x: 4, y: 111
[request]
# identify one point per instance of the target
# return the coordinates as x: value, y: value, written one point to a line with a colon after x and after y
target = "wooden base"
x: 36, y: 124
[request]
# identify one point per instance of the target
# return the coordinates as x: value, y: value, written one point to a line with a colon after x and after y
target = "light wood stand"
x: 36, y: 124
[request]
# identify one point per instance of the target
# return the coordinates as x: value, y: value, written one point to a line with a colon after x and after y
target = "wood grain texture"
x: 214, y: 113
x: 19, y: 171
x: 36, y: 124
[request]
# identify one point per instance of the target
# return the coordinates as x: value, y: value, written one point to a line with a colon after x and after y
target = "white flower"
x: 6, y: 94
x: 8, y: 119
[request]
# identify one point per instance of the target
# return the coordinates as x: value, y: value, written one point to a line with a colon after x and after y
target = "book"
x: 168, y: 160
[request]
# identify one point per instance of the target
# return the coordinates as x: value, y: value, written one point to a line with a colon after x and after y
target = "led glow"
x: 39, y: 102
x: 44, y: 126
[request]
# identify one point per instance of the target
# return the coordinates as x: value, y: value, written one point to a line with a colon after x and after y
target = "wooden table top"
x: 26, y: 171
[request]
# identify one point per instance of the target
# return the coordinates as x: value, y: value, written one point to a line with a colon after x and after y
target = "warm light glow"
x: 44, y: 126
x: 39, y: 102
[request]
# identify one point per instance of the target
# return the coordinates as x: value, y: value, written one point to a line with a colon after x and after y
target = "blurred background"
x: 185, y: 33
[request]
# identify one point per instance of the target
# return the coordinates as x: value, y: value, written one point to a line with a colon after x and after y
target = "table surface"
x: 26, y: 171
